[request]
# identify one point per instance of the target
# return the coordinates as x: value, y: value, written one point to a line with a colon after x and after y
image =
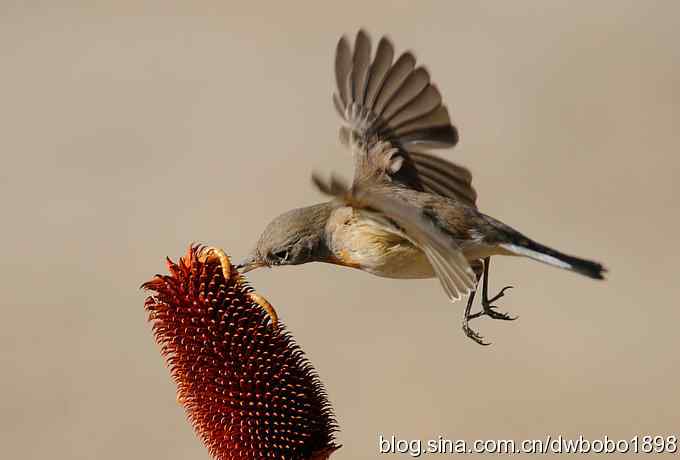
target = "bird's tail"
x: 523, y: 246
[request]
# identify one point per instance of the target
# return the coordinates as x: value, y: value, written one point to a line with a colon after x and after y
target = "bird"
x: 408, y: 214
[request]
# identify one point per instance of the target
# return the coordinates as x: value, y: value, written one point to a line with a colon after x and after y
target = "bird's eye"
x: 281, y: 255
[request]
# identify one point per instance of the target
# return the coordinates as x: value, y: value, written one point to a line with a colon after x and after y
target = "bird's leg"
x: 487, y: 307
x: 471, y: 333
x: 474, y: 335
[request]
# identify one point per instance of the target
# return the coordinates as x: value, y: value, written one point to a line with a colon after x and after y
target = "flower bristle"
x: 247, y: 387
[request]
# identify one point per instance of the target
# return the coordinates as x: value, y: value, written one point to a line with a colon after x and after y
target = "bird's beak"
x: 250, y: 263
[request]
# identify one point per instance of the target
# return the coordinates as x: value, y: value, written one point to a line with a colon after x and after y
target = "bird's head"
x: 293, y: 238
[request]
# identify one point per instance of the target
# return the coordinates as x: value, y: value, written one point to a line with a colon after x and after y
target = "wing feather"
x: 343, y: 67
x: 381, y: 65
x: 425, y: 102
x: 360, y: 65
x: 390, y: 105
x: 414, y: 84
x: 434, y: 118
x: 393, y: 81
x: 444, y: 178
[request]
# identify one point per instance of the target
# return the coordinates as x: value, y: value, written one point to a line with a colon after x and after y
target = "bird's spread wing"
x: 445, y: 178
x: 449, y: 264
x: 389, y: 107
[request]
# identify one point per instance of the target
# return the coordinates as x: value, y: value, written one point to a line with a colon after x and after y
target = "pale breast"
x: 358, y: 240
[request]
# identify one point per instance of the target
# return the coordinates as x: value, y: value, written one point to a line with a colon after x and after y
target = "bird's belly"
x: 400, y: 262
x: 366, y: 245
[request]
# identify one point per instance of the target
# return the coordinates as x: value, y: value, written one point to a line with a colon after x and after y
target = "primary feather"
x: 389, y: 107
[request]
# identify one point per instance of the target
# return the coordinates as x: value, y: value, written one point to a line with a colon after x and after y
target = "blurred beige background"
x: 130, y: 129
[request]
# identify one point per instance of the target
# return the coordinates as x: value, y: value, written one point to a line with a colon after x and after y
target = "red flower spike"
x: 245, y: 384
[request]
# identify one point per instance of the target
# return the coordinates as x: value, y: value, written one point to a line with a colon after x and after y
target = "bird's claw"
x: 474, y: 335
x: 489, y: 310
x: 493, y: 314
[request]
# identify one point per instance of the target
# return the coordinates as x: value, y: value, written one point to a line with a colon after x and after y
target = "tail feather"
x: 536, y: 251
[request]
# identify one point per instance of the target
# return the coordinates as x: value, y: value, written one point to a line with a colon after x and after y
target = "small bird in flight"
x: 408, y: 213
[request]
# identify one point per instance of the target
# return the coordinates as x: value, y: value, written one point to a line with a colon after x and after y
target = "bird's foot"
x: 497, y: 296
x: 487, y: 310
x: 471, y: 333
x: 493, y: 314
x: 490, y: 310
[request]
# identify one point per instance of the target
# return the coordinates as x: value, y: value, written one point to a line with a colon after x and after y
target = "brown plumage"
x: 245, y: 384
x: 390, y: 111
x: 408, y: 213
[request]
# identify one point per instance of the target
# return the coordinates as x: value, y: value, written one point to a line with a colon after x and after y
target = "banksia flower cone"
x: 245, y: 384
